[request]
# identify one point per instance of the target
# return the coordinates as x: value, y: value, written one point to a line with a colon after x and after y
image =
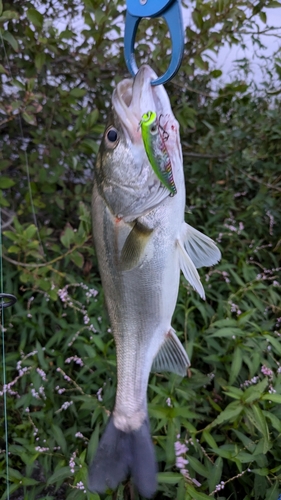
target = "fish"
x: 141, y: 242
x: 154, y: 144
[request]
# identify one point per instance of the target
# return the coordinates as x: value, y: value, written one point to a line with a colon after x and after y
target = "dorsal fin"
x: 201, y: 249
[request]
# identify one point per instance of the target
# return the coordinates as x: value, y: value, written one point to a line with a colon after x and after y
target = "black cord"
x: 8, y: 300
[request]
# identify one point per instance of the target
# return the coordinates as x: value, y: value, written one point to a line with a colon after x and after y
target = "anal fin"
x: 189, y: 270
x: 171, y: 356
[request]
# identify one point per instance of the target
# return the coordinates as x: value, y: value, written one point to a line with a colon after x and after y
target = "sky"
x: 225, y: 59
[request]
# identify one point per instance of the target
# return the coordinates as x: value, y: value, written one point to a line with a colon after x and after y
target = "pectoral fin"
x: 189, y: 270
x: 201, y: 249
x: 171, y: 356
x: 134, y: 246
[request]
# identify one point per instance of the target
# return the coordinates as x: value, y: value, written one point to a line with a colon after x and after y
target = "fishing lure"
x: 154, y: 145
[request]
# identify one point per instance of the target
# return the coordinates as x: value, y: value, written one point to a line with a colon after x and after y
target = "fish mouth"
x: 134, y: 97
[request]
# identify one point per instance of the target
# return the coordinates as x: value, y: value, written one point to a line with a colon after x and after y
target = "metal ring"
x: 8, y: 300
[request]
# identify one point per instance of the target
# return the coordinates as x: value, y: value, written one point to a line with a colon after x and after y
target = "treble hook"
x: 170, y: 10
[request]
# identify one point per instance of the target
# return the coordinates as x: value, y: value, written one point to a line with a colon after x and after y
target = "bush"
x: 216, y: 432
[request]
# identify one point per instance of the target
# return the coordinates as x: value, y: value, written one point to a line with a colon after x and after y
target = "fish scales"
x: 144, y: 310
x: 141, y: 242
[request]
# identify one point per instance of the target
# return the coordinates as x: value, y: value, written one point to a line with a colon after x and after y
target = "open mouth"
x: 134, y: 97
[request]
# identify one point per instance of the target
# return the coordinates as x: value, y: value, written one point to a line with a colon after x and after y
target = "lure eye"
x: 154, y: 129
x: 112, y: 137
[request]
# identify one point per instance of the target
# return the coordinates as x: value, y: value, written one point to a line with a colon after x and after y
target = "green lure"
x: 156, y: 151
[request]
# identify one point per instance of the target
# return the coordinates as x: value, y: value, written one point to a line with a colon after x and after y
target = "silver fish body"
x: 141, y: 242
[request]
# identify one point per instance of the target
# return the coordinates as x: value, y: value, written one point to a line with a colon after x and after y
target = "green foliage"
x: 60, y: 356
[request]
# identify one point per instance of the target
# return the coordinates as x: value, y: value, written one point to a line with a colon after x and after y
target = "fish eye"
x: 112, y: 136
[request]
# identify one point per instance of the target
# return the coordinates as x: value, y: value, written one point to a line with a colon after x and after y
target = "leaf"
x: 170, y: 440
x: 3, y: 201
x: 78, y: 259
x: 181, y: 490
x: 93, y: 443
x: 256, y: 416
x: 59, y: 475
x: 28, y: 481
x: 200, y: 63
x: 93, y: 117
x: 3, y: 70
x: 255, y: 391
x: 7, y: 15
x: 77, y: 92
x: 228, y: 332
x: 197, y: 18
x: 59, y: 437
x: 18, y: 84
x: 275, y: 343
x: 15, y: 474
x: 228, y: 322
x: 260, y: 487
x: 35, y: 17
x: 272, y: 492
x: 11, y: 40
x: 244, y: 457
x: 76, y: 494
x: 4, y: 164
x: 90, y: 145
x: 40, y: 59
x: 235, y: 365
x: 30, y: 231
x: 216, y: 73
x: 195, y: 494
x: 229, y: 413
x: 197, y: 466
x: 261, y: 472
x: 237, y: 278
x: 169, y: 477
x: 12, y: 489
x: 275, y: 422
x: 41, y: 358
x: 67, y: 236
x: 248, y: 443
x: 216, y: 473
x: 6, y: 182
x: 13, y: 249
x: 99, y: 342
x: 220, y: 5
x: 263, y: 17
x: 30, y: 119
x: 209, y: 439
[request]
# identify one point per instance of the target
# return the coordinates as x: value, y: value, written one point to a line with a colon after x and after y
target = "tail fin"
x: 121, y: 454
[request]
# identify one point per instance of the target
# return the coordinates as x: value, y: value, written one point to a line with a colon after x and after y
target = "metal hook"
x: 7, y: 303
x: 170, y: 10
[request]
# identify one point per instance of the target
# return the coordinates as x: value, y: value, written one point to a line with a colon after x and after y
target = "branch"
x: 46, y: 264
x: 7, y: 120
x: 185, y: 86
x: 262, y: 32
x: 270, y: 186
x: 206, y: 156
